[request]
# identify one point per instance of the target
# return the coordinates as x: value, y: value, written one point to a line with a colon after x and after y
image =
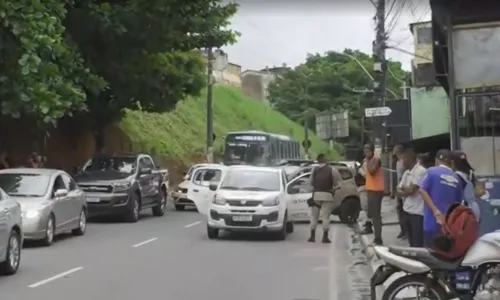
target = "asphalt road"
x: 171, y: 258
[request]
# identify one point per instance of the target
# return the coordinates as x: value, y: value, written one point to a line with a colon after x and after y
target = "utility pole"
x: 210, y: 112
x: 380, y: 83
x: 380, y: 68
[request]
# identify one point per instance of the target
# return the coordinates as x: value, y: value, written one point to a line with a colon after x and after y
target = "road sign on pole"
x: 382, y: 111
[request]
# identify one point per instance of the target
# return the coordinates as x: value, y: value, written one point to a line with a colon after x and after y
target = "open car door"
x: 198, y: 187
x: 298, y: 192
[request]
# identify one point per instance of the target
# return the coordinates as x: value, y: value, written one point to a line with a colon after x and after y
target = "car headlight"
x: 271, y: 202
x: 30, y: 214
x: 121, y: 186
x: 217, y: 200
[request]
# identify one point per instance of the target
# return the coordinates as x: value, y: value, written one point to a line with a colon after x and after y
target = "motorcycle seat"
x: 427, y: 257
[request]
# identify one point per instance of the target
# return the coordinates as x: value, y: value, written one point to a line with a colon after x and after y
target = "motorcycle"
x: 476, y: 276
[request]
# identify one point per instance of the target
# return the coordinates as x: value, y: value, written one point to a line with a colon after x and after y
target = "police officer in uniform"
x: 325, y: 180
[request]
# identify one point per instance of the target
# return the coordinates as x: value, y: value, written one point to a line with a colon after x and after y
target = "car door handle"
x: 195, y: 190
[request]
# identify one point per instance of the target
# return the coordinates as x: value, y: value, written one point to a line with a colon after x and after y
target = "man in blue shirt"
x: 440, y: 189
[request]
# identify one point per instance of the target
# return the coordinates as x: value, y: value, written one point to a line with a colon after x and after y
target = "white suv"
x: 250, y: 199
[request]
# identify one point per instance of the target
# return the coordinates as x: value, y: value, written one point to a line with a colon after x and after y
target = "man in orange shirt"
x: 374, y: 190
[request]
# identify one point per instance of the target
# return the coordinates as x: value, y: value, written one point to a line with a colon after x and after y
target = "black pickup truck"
x: 123, y: 185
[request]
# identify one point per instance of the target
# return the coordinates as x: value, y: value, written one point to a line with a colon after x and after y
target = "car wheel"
x: 289, y: 227
x: 212, y: 233
x: 132, y: 215
x: 180, y: 207
x: 159, y: 210
x: 349, y: 210
x: 281, y: 235
x: 50, y: 230
x: 13, y: 257
x: 82, y: 224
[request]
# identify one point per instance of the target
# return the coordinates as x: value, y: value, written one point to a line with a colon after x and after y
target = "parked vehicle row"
x: 243, y: 206
x: 38, y: 204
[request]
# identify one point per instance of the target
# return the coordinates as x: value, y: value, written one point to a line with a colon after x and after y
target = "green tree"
x: 326, y: 83
x: 96, y: 58
x: 146, y: 51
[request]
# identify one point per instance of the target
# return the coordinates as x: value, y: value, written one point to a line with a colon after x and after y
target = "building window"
x: 424, y: 35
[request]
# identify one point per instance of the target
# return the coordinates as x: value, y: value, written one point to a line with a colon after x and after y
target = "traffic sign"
x: 306, y: 144
x: 382, y: 111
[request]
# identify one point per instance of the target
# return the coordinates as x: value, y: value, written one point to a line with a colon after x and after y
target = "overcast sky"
x: 274, y: 32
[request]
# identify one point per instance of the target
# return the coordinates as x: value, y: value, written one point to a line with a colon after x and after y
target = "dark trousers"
x: 415, y: 229
x: 374, y: 199
x: 401, y: 216
x: 430, y: 237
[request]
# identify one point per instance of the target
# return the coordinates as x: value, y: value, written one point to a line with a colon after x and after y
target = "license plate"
x: 93, y: 199
x: 242, y: 218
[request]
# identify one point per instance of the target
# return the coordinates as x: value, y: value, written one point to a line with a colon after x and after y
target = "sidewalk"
x: 390, y: 230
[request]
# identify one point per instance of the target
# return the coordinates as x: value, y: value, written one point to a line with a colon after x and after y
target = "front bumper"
x: 180, y: 199
x: 263, y: 219
x: 104, y: 204
x: 34, y: 228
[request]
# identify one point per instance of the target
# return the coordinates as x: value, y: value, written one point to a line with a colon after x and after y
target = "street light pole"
x: 210, y: 113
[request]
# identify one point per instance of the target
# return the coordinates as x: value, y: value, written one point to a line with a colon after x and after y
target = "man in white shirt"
x: 413, y: 203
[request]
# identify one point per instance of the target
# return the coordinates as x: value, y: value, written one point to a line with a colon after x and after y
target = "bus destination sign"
x: 257, y: 138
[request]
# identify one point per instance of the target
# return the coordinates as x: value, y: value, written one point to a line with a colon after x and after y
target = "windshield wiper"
x: 229, y: 187
x: 24, y: 195
x: 256, y: 189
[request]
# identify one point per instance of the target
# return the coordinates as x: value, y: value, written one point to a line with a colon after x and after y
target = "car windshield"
x: 24, y: 185
x: 122, y: 164
x: 251, y: 180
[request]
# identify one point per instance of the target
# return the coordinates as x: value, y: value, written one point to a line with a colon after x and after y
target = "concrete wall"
x: 422, y: 49
x: 483, y: 153
x: 429, y: 112
x: 230, y: 75
x: 254, y: 84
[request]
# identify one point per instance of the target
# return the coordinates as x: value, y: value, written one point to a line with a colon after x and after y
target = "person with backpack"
x: 324, y: 180
x: 441, y: 189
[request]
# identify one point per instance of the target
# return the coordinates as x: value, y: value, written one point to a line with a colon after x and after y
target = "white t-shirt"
x: 413, y: 204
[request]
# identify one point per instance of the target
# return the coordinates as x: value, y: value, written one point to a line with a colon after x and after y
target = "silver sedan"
x: 51, y: 202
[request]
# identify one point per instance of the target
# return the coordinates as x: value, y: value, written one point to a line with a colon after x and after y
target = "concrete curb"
x: 372, y: 258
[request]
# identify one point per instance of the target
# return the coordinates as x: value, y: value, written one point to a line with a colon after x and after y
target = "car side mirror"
x: 145, y: 171
x: 60, y: 193
x: 293, y: 190
x: 213, y: 186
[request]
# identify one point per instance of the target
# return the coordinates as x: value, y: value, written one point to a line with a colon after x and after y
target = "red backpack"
x: 459, y: 232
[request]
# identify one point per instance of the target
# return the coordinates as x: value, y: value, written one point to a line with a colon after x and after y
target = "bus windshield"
x: 245, y: 153
x: 259, y: 148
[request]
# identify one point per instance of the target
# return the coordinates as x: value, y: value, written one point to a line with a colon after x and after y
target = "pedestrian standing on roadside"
x: 413, y: 203
x: 324, y: 180
x: 466, y: 174
x: 400, y: 169
x: 440, y: 188
x: 374, y: 191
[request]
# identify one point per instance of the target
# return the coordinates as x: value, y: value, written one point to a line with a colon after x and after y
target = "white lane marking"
x: 324, y: 268
x: 144, y: 243
x: 60, y: 275
x: 192, y: 224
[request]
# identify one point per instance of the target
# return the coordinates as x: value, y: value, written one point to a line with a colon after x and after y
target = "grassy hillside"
x: 180, y: 134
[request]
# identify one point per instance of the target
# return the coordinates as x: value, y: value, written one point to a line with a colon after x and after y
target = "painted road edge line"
x: 144, y: 243
x: 192, y: 224
x: 55, y: 277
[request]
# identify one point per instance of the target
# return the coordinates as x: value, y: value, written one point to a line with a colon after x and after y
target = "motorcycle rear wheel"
x: 433, y: 289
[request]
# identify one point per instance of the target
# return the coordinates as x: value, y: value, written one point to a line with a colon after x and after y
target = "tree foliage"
x: 327, y: 83
x: 97, y: 57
